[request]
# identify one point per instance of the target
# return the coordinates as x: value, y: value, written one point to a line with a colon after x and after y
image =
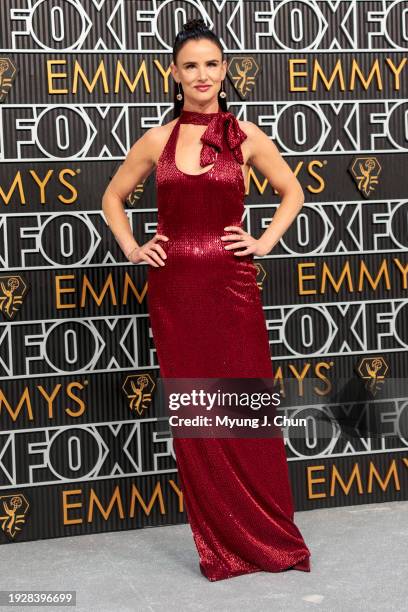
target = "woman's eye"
x: 211, y: 64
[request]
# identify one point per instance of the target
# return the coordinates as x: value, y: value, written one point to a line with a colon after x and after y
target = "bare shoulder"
x: 251, y: 143
x: 141, y: 160
x: 251, y: 130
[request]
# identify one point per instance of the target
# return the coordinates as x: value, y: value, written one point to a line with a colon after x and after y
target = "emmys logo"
x: 373, y: 371
x: 13, y: 510
x: 138, y: 389
x: 7, y: 73
x: 12, y: 291
x: 365, y: 172
x: 260, y: 274
x: 243, y: 72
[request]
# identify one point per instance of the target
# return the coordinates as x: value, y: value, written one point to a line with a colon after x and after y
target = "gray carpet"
x: 359, y: 562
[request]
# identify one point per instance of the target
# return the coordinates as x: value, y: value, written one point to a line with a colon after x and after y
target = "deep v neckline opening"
x: 176, y: 138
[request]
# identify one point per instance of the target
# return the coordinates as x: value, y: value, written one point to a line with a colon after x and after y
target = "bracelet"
x: 130, y: 252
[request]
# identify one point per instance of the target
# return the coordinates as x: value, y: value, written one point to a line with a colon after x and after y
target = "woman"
x: 204, y: 303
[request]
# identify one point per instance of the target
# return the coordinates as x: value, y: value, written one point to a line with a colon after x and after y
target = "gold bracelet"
x: 130, y: 252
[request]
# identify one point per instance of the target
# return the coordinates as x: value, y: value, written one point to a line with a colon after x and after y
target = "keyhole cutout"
x: 190, y: 151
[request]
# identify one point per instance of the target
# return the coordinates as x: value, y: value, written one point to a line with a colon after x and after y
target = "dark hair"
x: 194, y: 29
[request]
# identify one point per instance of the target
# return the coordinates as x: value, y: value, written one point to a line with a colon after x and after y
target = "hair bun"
x: 193, y: 24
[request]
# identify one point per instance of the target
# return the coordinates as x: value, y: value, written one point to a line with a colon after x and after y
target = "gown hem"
x: 302, y: 564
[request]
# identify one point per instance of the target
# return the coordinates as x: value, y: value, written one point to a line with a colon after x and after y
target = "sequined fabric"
x: 222, y: 127
x: 207, y: 321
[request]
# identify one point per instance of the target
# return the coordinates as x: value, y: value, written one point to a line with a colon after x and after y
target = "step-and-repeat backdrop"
x: 81, y: 447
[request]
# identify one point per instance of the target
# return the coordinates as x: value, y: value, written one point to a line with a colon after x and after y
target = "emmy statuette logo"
x: 365, y: 172
x: 138, y: 389
x: 135, y: 196
x: 243, y: 72
x: 13, y: 511
x: 12, y: 291
x: 373, y: 371
x: 260, y: 274
x: 8, y: 72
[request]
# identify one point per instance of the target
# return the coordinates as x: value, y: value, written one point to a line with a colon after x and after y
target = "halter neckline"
x: 187, y: 116
x: 222, y: 127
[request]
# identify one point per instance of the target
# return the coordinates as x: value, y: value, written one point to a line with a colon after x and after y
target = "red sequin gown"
x: 207, y: 321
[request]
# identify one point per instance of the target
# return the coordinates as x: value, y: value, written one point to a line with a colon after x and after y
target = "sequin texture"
x: 207, y: 321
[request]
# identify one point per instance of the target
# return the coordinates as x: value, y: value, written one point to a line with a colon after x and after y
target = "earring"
x: 222, y: 92
x: 179, y: 95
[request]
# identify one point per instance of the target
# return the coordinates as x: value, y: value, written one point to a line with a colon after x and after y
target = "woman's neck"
x: 202, y: 111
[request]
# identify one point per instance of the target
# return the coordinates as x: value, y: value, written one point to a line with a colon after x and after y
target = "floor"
x: 359, y: 562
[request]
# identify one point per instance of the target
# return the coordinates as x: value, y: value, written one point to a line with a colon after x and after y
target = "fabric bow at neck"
x: 221, y: 125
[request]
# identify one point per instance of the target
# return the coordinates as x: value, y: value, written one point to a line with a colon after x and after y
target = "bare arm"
x: 139, y: 163
x: 265, y: 156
